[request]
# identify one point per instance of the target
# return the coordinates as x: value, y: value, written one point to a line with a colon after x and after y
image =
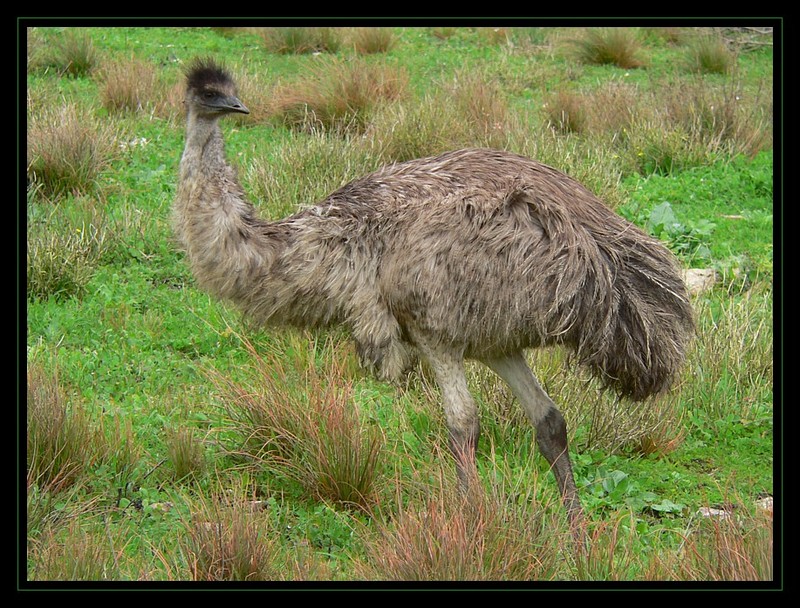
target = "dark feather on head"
x: 204, y: 74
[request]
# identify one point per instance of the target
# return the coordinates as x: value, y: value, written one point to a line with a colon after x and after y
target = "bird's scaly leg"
x: 459, y: 408
x: 551, y: 430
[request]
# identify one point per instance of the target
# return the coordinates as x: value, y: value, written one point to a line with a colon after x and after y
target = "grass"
x: 305, y: 427
x: 58, y: 436
x: 452, y: 537
x: 128, y: 85
x: 71, y: 54
x: 167, y: 440
x: 710, y: 54
x: 68, y: 149
x: 228, y: 541
x: 287, y: 40
x: 609, y: 46
x: 337, y: 95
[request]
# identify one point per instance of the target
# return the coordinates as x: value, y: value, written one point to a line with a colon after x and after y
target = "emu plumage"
x: 474, y: 253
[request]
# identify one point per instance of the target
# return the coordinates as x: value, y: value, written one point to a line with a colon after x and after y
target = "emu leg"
x: 551, y: 430
x: 459, y: 408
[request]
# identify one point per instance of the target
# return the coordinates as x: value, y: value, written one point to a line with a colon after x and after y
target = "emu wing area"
x: 478, y: 249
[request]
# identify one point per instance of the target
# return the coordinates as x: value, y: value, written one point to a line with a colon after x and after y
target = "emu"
x: 473, y: 254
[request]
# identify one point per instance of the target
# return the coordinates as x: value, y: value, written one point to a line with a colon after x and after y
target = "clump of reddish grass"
x: 229, y: 541
x: 708, y: 53
x: 300, y: 40
x: 567, y: 112
x: 729, y: 548
x: 67, y: 149
x: 477, y: 536
x: 59, y: 437
x: 185, y: 452
x: 128, y: 85
x: 338, y: 95
x: 231, y: 537
x: 86, y: 555
x: 307, y: 424
x: 609, y: 46
x: 370, y: 40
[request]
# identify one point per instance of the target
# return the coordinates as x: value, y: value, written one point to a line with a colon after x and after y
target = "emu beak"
x: 234, y: 105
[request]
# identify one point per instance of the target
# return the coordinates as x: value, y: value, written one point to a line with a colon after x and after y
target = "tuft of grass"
x: 732, y: 357
x: 68, y: 149
x: 84, y: 555
x: 732, y: 548
x: 306, y: 171
x: 128, y: 85
x: 612, y: 553
x: 609, y: 46
x: 65, y: 244
x: 654, y: 148
x: 667, y: 126
x: 371, y: 40
x: 300, y: 40
x: 734, y: 543
x: 710, y: 54
x: 669, y: 35
x: 529, y: 38
x: 692, y: 123
x: 185, y: 452
x: 338, y: 95
x: 496, y: 35
x: 70, y: 52
x: 228, y: 540
x: 609, y: 109
x: 309, y: 427
x: 567, y: 112
x: 482, y: 103
x: 452, y: 536
x: 469, y: 110
x: 59, y: 438
x: 231, y: 537
x: 724, y: 119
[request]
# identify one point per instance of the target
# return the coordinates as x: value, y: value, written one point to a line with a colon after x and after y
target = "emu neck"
x: 204, y: 147
x: 226, y: 244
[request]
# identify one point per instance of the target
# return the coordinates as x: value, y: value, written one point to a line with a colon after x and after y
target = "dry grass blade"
x: 299, y: 40
x: 57, y: 434
x: 615, y: 45
x: 307, y: 425
x: 225, y: 541
x: 450, y: 536
x: 338, y: 95
x: 128, y: 85
x: 67, y: 149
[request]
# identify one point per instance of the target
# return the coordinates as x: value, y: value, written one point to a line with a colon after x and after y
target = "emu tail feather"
x: 616, y: 295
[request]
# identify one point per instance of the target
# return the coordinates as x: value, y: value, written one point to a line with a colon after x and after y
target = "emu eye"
x: 208, y: 95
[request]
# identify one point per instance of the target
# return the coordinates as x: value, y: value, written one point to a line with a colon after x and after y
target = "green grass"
x: 147, y: 400
x: 728, y: 204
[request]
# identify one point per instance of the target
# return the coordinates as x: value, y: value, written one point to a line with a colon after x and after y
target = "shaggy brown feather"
x: 478, y: 248
x: 474, y: 253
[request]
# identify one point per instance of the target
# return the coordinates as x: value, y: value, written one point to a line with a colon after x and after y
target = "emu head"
x: 210, y: 90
